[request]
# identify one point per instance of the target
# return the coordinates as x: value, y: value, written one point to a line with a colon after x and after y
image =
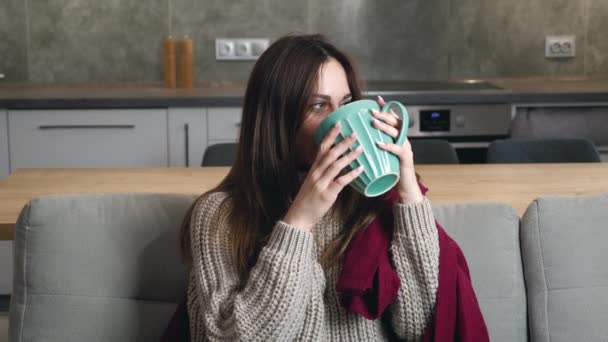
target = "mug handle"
x: 405, y: 119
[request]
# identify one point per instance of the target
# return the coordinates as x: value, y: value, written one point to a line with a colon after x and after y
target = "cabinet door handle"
x: 187, y: 137
x: 86, y: 126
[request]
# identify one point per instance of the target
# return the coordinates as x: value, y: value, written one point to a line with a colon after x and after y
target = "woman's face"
x: 332, y: 91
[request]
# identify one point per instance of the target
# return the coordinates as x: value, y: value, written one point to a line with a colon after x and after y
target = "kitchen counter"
x: 119, y: 95
x: 558, y: 85
x: 225, y: 94
x: 504, y: 90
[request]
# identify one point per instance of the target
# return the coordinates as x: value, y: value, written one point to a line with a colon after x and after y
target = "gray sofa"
x: 107, y: 268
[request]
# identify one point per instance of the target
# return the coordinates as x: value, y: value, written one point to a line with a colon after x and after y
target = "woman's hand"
x: 323, y: 182
x: 390, y: 123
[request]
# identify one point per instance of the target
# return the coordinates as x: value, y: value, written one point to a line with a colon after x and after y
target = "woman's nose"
x: 334, y: 106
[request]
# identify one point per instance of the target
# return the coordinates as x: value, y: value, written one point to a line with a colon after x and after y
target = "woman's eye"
x: 318, y: 106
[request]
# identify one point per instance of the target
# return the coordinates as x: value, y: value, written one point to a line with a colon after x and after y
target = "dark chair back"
x: 432, y: 151
x: 543, y: 151
x: 219, y: 155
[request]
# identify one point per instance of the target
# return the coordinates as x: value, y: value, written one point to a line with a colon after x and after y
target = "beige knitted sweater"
x: 288, y: 295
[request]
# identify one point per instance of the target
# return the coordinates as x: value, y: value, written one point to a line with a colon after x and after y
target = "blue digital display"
x: 435, y: 120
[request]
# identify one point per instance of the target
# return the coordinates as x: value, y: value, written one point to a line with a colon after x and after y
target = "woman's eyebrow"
x: 328, y: 98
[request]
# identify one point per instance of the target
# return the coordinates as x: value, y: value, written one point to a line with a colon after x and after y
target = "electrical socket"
x: 240, y: 49
x: 560, y: 46
x: 223, y: 48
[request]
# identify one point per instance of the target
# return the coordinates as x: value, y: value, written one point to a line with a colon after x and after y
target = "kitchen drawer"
x: 88, y: 138
x: 224, y: 123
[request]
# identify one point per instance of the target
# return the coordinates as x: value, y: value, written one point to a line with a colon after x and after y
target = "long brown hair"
x: 264, y: 177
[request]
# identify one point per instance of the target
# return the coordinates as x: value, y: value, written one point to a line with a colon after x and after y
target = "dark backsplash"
x: 120, y: 41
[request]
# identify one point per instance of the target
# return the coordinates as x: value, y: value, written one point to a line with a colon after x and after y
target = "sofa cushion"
x: 97, y: 267
x: 564, y: 250
x: 488, y: 235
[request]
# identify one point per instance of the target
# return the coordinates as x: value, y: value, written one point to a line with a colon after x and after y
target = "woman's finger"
x: 381, y: 101
x: 392, y: 148
x: 388, y: 129
x: 334, y: 153
x: 337, y: 185
x: 390, y: 118
x: 334, y: 169
x: 330, y: 138
x: 326, y: 144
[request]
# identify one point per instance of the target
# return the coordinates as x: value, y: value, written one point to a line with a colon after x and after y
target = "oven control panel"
x: 459, y: 120
x: 434, y: 120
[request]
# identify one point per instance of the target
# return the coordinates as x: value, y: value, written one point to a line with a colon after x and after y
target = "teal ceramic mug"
x: 380, y: 168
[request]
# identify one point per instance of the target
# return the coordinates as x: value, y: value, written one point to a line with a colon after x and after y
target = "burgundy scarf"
x: 368, y: 282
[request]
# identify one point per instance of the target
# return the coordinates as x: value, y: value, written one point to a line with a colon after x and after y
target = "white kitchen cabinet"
x: 187, y: 136
x: 4, y: 159
x: 88, y: 138
x: 224, y: 124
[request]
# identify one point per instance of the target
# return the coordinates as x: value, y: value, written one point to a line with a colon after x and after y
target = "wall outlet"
x: 223, y: 48
x: 240, y: 49
x: 560, y: 46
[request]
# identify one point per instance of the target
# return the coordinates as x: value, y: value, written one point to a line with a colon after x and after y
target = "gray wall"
x: 120, y: 40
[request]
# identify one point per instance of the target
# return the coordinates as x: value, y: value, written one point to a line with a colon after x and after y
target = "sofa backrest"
x: 107, y: 268
x: 97, y: 267
x: 488, y: 235
x: 565, y: 262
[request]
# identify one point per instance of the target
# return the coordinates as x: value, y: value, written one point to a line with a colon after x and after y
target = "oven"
x: 469, y: 128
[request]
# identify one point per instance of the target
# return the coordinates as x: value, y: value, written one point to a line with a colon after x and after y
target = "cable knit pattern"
x: 288, y: 295
x: 415, y: 254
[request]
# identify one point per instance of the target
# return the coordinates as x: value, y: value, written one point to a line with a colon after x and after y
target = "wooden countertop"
x: 514, y: 184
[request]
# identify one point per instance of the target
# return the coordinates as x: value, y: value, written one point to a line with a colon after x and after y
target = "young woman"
x: 265, y: 245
